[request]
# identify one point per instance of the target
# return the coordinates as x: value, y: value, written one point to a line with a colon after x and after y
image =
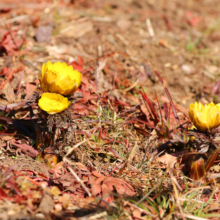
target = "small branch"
x: 150, y: 28
x: 77, y: 178
x: 72, y: 149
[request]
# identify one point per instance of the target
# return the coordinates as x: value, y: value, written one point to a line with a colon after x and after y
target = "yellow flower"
x: 53, y: 103
x: 204, y: 117
x: 59, y: 78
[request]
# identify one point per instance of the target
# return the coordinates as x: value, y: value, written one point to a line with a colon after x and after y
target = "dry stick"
x: 73, y: 148
x: 23, y: 37
x: 194, y: 217
x: 19, y: 84
x: 72, y: 171
x: 96, y: 75
x: 77, y: 178
x: 159, y: 109
x: 131, y: 87
x: 150, y: 28
x: 175, y: 185
x: 131, y: 109
x: 17, y: 18
x: 131, y: 155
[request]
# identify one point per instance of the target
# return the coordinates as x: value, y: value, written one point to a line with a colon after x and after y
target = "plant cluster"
x: 57, y: 80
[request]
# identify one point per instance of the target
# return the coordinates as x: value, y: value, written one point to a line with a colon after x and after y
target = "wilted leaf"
x: 197, y: 169
x: 10, y: 42
x: 27, y: 149
x: 169, y: 160
x: 47, y: 203
x: 105, y: 186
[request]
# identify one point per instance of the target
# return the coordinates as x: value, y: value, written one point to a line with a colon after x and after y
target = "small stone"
x: 188, y: 69
x: 211, y: 69
x: 123, y: 24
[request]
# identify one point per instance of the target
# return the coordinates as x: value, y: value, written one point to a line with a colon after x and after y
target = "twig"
x: 17, y: 18
x: 19, y: 84
x: 194, y: 217
x: 133, y: 151
x: 23, y: 37
x: 73, y: 148
x: 77, y: 178
x: 150, y: 28
x: 102, y: 19
x: 132, y: 86
x: 175, y: 185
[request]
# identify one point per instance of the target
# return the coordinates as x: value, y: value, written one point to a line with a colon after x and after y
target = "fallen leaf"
x: 8, y: 91
x: 30, y: 88
x: 47, y: 203
x: 27, y: 149
x: 10, y: 42
x: 78, y: 65
x: 169, y: 160
x: 105, y: 186
x: 192, y: 19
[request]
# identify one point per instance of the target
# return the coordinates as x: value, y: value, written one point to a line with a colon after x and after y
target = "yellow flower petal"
x: 53, y: 103
x: 205, y: 117
x: 59, y: 78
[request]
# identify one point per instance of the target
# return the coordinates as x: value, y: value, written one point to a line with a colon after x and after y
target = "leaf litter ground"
x: 124, y: 154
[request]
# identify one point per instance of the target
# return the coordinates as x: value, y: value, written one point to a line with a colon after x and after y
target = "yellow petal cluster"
x: 205, y: 117
x: 59, y: 78
x: 53, y: 103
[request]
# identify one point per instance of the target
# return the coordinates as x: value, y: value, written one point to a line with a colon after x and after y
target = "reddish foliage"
x: 10, y: 42
x: 153, y: 114
x: 27, y: 149
x: 3, y: 195
x: 78, y: 65
x: 87, y: 91
x: 99, y: 185
x: 30, y: 88
x: 9, y: 73
x: 192, y: 19
x: 5, y: 71
x: 104, y: 187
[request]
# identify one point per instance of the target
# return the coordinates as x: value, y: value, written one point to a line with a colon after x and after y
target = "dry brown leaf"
x: 47, y: 203
x: 168, y: 160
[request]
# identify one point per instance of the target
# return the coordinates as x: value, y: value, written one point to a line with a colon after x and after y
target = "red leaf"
x: 5, y: 71
x: 3, y: 195
x: 10, y: 42
x: 27, y: 149
x: 30, y: 88
x: 96, y: 186
x: 78, y: 65
x: 115, y: 153
x: 121, y: 186
x: 192, y: 19
x: 105, y: 186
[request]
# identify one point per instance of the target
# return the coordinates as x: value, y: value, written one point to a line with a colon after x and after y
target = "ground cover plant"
x: 109, y: 110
